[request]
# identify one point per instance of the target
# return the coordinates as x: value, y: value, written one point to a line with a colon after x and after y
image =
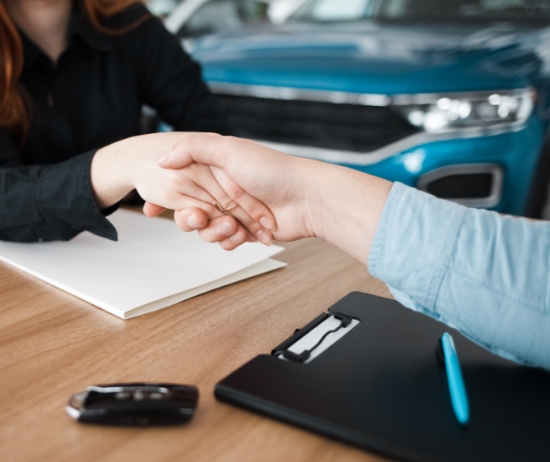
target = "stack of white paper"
x: 153, y: 265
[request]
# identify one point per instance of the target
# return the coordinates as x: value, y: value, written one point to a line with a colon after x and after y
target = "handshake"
x: 234, y: 191
x: 465, y: 267
x: 436, y: 256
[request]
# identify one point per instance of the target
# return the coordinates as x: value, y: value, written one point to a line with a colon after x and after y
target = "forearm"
x: 496, y: 289
x: 484, y: 274
x: 50, y: 202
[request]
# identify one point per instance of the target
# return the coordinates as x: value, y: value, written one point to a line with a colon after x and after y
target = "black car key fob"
x: 134, y: 404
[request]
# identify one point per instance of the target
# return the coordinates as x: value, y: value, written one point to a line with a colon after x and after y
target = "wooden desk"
x: 53, y: 345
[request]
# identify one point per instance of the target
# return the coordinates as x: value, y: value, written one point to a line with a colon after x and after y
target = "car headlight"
x: 436, y: 113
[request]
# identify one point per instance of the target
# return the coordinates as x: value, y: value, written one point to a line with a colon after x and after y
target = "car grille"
x: 350, y: 127
x: 462, y: 186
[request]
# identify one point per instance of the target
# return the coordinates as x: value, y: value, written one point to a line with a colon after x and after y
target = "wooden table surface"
x: 53, y: 345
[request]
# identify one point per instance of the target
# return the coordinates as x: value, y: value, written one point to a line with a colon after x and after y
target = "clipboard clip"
x: 314, y: 338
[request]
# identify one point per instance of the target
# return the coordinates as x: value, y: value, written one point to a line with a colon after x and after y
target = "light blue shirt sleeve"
x: 484, y: 274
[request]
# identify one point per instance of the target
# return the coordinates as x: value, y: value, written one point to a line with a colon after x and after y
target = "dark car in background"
x: 448, y: 96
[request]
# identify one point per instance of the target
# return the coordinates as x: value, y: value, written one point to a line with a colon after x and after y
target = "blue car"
x: 450, y: 96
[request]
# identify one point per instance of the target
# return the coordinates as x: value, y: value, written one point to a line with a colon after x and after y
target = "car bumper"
x: 419, y: 160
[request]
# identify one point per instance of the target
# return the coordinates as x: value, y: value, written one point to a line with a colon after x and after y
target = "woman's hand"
x: 131, y: 164
x: 307, y: 198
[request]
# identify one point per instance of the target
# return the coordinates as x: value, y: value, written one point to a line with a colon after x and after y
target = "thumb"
x: 170, y: 160
x: 204, y: 148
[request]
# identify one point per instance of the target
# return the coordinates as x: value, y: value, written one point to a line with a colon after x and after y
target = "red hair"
x: 13, y: 111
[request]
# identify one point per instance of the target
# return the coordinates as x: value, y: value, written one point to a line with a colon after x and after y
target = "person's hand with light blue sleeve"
x: 485, y: 274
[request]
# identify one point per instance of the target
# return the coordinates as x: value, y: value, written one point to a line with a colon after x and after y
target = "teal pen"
x: 457, y: 389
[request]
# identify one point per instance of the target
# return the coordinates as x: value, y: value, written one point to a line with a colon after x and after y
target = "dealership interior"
x: 274, y: 230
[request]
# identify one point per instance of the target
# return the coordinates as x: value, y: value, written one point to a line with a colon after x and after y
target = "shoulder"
x: 146, y: 38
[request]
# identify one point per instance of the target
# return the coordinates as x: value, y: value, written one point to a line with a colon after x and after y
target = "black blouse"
x: 91, y: 98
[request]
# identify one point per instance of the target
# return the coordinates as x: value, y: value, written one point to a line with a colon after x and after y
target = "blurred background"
x: 448, y: 96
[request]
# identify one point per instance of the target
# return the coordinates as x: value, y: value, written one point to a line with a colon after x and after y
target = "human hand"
x: 269, y: 176
x: 308, y: 198
x: 131, y: 164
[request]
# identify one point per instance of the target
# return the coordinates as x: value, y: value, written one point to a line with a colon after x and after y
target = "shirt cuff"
x: 65, y: 198
x: 412, y: 245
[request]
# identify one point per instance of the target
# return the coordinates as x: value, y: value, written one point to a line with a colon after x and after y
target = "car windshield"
x: 425, y: 10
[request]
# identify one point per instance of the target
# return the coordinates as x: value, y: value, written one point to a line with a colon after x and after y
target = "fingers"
x: 214, y: 150
x: 195, y: 214
x: 173, y: 190
x: 211, y: 150
x: 191, y: 219
x: 231, y: 243
x: 252, y: 206
x: 152, y: 210
x: 224, y: 229
x: 253, y: 221
x: 253, y: 214
x: 213, y: 234
x: 217, y: 226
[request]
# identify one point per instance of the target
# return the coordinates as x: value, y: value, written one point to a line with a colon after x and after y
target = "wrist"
x: 317, y: 197
x: 348, y: 206
x: 111, y: 174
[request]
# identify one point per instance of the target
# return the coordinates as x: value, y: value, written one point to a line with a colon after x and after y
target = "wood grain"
x: 53, y: 345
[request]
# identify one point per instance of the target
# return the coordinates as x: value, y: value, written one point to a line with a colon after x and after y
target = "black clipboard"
x: 380, y: 387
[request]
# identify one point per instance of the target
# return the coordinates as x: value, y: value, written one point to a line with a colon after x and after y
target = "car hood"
x: 375, y: 58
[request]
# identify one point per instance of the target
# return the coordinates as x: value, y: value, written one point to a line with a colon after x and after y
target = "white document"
x: 153, y: 265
